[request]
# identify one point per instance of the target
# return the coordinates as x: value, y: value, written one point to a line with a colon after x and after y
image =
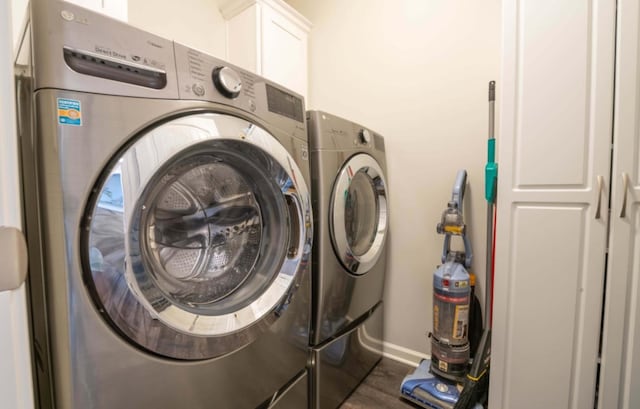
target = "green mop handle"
x: 490, y: 183
x: 491, y: 168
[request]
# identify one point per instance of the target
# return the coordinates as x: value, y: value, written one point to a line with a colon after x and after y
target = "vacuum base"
x: 425, y: 389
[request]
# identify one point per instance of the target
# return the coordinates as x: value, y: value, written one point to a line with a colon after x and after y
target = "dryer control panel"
x: 206, y: 78
x: 342, y: 135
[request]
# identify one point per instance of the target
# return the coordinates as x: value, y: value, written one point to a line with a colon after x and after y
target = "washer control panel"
x: 206, y: 78
x: 203, y: 77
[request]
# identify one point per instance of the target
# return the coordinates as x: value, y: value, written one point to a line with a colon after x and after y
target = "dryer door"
x: 359, y: 213
x: 197, y: 235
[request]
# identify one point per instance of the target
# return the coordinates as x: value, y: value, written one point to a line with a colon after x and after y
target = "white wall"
x: 19, y: 16
x: 194, y: 23
x: 417, y: 72
x: 15, y: 363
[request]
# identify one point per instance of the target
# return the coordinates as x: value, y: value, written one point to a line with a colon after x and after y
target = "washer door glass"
x: 359, y: 213
x: 197, y: 236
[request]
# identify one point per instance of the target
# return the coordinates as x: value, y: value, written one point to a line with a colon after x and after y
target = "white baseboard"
x: 404, y: 355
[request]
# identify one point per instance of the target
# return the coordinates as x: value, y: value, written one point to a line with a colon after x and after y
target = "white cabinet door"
x: 554, y: 153
x: 284, y: 51
x: 620, y: 368
x: 269, y: 38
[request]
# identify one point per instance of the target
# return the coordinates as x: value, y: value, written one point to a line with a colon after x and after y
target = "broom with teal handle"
x: 476, y: 384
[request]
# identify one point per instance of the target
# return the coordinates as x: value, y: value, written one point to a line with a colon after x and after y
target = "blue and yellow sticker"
x: 69, y: 112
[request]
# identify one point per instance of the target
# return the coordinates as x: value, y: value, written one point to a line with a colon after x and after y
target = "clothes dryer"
x: 168, y: 221
x: 349, y: 195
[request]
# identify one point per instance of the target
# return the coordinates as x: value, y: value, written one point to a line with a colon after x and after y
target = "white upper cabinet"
x: 113, y: 8
x: 269, y: 38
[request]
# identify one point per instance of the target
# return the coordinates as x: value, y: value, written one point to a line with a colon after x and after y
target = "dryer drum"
x: 361, y: 213
x: 358, y: 208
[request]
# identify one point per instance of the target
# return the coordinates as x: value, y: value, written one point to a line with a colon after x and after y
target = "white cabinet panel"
x: 631, y: 346
x: 554, y: 144
x: 553, y: 92
x: 548, y: 307
x: 269, y: 38
x: 284, y: 46
x: 620, y: 370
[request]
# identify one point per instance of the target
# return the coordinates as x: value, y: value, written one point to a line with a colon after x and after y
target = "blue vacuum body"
x: 425, y: 389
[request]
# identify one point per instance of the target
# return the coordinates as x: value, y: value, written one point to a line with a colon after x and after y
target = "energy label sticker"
x: 69, y: 112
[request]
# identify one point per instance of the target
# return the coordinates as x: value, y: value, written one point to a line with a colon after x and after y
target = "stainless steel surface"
x: 339, y: 296
x: 227, y: 81
x: 13, y: 253
x: 52, y: 31
x: 295, y: 396
x: 359, y: 213
x: 161, y: 147
x: 341, y: 364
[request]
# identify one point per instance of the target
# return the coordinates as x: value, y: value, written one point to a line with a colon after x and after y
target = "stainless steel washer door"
x: 196, y: 235
x: 359, y: 213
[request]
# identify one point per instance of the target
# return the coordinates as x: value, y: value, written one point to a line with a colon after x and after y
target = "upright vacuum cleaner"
x: 435, y: 383
x: 451, y: 293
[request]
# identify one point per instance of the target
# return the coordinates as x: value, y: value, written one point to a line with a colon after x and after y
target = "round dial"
x: 227, y: 81
x: 364, y: 136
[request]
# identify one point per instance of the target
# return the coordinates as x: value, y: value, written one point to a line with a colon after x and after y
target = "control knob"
x: 227, y: 81
x: 364, y: 136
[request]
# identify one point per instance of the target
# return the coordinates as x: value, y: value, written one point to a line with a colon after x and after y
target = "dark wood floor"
x: 380, y: 390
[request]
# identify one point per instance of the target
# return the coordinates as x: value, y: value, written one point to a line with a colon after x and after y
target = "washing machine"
x: 168, y: 219
x: 350, y: 203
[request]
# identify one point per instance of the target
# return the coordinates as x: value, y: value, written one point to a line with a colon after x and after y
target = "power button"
x: 198, y: 89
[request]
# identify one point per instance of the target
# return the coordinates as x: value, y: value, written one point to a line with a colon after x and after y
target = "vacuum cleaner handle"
x: 457, y: 200
x: 459, y: 187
